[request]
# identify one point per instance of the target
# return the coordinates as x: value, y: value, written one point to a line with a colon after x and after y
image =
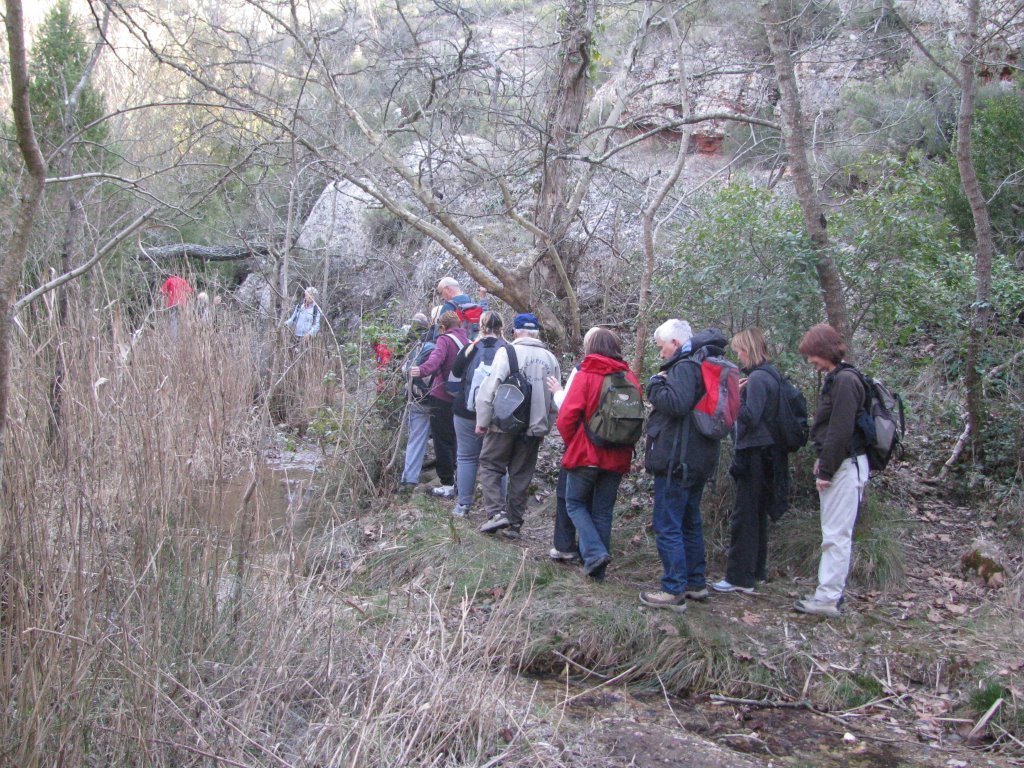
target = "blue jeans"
x: 590, y: 500
x: 679, y: 534
x: 467, y: 458
x: 417, y: 421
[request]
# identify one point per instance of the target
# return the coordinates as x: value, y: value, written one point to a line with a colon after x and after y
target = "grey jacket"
x: 536, y: 361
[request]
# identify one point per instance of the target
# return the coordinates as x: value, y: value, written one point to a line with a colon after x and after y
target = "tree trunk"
x: 567, y: 104
x: 651, y: 211
x: 31, y: 193
x: 806, y: 189
x: 982, y: 231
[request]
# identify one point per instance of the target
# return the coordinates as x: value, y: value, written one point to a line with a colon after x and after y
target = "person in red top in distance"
x: 177, y: 292
x: 594, y: 472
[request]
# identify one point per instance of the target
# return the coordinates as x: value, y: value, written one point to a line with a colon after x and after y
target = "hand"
x: 481, y: 430
x: 743, y: 382
x: 821, y: 485
x: 553, y: 384
x: 414, y: 372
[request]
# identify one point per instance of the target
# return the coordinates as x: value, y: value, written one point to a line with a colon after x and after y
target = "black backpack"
x: 881, y: 422
x: 790, y: 429
x: 512, y: 398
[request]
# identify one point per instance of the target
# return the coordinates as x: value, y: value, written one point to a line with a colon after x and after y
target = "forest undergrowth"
x: 143, y: 626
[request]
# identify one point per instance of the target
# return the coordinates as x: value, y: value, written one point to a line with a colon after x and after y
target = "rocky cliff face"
x: 722, y: 62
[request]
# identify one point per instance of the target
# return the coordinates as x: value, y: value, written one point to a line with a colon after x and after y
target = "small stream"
x: 283, y: 488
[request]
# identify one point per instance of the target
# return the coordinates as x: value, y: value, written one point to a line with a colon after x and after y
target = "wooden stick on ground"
x: 979, y: 727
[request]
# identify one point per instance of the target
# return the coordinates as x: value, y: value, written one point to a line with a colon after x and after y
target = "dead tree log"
x: 205, y: 252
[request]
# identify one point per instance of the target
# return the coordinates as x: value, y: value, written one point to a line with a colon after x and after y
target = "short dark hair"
x: 603, y: 342
x: 822, y: 340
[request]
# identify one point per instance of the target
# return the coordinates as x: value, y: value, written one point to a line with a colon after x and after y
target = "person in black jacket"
x: 759, y: 468
x: 681, y: 460
x: 841, y: 471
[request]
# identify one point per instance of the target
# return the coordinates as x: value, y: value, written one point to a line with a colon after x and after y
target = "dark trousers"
x: 442, y: 430
x: 516, y: 455
x: 748, y: 526
x: 565, y: 531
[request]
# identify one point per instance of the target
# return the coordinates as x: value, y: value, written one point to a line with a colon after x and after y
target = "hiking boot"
x: 460, y: 510
x: 512, y: 532
x: 496, y: 523
x: 598, y: 567
x: 659, y: 599
x: 699, y: 595
x: 725, y: 586
x: 817, y: 607
x: 406, y: 488
x: 444, y: 491
x: 562, y: 557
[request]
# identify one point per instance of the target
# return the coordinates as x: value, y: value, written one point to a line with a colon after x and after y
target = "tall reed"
x: 140, y: 625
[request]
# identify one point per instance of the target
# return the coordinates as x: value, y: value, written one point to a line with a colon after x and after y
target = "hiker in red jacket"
x: 593, y: 472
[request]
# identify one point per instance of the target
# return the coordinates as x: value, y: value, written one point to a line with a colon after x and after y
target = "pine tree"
x: 59, y: 58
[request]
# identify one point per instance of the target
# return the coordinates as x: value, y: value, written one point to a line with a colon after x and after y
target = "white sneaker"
x: 444, y: 491
x: 461, y: 510
x: 559, y: 555
x: 725, y: 586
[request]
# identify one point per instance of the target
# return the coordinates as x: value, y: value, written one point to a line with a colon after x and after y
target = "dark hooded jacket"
x: 673, y: 393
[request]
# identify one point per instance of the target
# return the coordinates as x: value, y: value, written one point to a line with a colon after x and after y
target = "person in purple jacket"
x: 450, y: 342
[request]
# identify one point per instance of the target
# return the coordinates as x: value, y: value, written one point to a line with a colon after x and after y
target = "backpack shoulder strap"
x: 864, y: 381
x: 513, y: 359
x: 458, y: 344
x: 770, y: 370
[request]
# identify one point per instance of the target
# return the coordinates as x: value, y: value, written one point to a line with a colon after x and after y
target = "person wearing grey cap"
x: 417, y: 414
x: 514, y: 452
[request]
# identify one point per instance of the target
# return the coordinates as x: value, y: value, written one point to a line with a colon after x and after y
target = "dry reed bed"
x: 135, y: 629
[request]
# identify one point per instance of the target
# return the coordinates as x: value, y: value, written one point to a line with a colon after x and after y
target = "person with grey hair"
x: 305, y: 318
x: 514, y: 453
x: 681, y: 460
x: 451, y: 295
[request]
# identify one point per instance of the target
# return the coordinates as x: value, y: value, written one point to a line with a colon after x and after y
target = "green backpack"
x: 618, y: 421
